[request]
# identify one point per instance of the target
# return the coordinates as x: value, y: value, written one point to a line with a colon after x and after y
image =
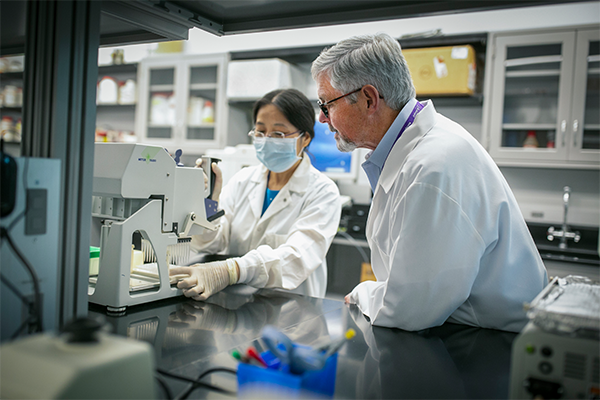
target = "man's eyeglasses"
x: 323, y: 106
x: 274, y: 135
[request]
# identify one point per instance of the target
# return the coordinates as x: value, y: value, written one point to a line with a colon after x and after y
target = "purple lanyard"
x: 410, y: 119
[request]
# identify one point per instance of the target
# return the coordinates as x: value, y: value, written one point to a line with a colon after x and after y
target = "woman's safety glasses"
x: 274, y: 135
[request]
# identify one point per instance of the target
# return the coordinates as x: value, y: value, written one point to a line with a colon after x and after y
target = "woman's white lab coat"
x: 285, y: 247
x: 447, y: 238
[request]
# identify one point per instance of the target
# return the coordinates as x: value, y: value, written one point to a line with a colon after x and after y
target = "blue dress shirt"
x: 375, y: 160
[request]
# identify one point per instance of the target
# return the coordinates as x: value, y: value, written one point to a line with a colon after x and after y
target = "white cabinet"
x: 182, y: 103
x: 543, y: 107
x: 249, y: 80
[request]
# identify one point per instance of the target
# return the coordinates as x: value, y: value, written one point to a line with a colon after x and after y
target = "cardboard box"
x: 449, y: 70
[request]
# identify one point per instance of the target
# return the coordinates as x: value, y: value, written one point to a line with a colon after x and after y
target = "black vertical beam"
x: 59, y: 117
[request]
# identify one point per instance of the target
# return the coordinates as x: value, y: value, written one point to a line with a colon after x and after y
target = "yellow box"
x: 449, y: 70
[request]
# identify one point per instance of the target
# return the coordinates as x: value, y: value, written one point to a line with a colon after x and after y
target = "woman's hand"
x: 204, y: 280
x: 218, y: 182
x: 218, y: 179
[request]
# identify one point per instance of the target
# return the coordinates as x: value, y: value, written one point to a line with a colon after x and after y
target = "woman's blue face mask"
x: 277, y: 155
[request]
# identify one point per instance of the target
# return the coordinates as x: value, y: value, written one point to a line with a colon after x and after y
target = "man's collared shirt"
x: 375, y: 160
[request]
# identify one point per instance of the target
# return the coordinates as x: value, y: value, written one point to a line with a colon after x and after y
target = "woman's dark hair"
x: 293, y: 105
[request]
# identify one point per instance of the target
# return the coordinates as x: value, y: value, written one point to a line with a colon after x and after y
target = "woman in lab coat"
x: 280, y: 216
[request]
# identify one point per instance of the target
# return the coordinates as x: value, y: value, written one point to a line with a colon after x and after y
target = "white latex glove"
x: 204, y: 280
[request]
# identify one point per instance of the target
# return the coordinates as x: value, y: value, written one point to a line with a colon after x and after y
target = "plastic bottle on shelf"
x: 101, y: 135
x: 107, y: 91
x: 10, y: 96
x: 195, y: 110
x: 7, y: 129
x: 531, y: 140
x: 118, y: 57
x: 208, y: 114
x: 127, y: 92
x: 159, y: 107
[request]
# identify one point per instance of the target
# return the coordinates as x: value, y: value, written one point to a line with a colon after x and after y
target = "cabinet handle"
x: 563, y: 129
x: 575, y: 128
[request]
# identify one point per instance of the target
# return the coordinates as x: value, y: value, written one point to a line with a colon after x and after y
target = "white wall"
x: 539, y: 192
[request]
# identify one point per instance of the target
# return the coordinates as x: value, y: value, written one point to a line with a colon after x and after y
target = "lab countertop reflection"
x: 189, y: 338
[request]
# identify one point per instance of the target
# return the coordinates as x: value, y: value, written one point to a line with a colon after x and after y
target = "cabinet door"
x: 531, y: 95
x: 181, y: 103
x: 585, y: 123
x: 157, y: 114
x: 203, y: 103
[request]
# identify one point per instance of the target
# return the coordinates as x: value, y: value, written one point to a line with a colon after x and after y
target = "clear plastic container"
x: 569, y: 305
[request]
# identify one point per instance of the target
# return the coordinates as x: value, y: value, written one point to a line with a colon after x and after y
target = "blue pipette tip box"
x: 255, y: 381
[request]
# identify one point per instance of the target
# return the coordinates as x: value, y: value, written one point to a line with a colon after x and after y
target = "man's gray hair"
x: 367, y: 60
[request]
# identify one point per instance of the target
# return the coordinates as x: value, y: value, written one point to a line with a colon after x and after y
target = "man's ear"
x: 372, y: 97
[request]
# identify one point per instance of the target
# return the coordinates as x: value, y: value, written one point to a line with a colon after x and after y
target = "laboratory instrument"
x: 145, y: 210
x: 81, y: 363
x: 557, y: 354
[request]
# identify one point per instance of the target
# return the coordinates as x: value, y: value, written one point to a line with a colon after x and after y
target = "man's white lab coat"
x: 285, y: 247
x: 447, y: 238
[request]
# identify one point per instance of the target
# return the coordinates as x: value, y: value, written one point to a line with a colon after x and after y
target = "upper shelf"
x: 532, y: 73
x: 117, y: 68
x: 4, y: 76
x: 517, y: 62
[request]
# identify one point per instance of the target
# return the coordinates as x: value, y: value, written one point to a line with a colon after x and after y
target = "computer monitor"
x: 325, y: 156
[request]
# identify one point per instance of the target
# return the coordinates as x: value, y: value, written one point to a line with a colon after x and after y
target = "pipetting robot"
x: 145, y: 210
